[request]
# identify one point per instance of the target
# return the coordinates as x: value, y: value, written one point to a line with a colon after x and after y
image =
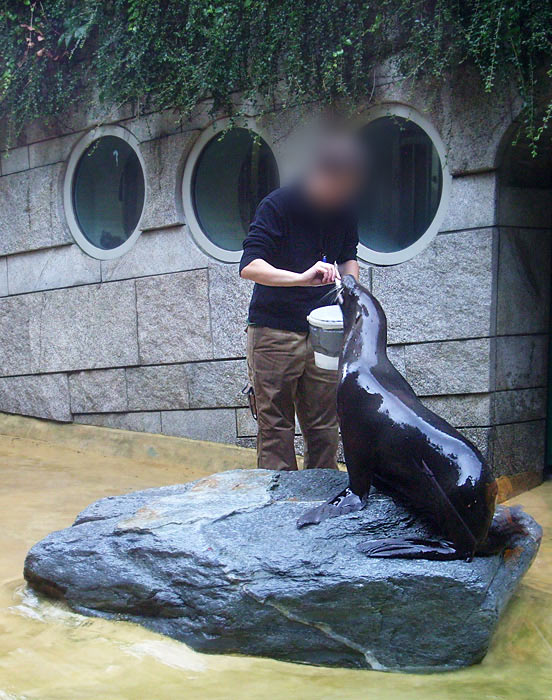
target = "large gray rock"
x: 20, y: 346
x: 15, y: 160
x: 519, y: 405
x: 49, y: 151
x: 519, y: 447
x: 142, y: 422
x: 3, y: 277
x: 220, y: 565
x: 462, y: 411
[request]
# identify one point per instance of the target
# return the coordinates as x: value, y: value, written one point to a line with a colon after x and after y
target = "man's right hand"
x: 320, y: 273
x: 262, y: 272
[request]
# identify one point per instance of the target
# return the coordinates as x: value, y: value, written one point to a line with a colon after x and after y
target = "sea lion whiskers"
x: 331, y: 295
x: 338, y: 290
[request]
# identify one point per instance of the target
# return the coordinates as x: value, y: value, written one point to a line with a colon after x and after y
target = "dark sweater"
x: 290, y: 234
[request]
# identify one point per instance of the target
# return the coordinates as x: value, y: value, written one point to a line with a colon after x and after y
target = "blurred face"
x: 329, y: 189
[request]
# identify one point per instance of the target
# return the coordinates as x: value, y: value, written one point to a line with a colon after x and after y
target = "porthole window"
x: 104, y: 193
x: 228, y: 173
x: 405, y: 197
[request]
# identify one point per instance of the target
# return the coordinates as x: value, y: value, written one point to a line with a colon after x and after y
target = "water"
x: 50, y: 653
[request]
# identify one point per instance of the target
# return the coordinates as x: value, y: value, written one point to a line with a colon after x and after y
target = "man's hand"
x: 263, y: 273
x: 320, y: 273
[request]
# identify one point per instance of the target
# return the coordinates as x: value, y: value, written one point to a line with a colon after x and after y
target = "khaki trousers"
x: 286, y: 381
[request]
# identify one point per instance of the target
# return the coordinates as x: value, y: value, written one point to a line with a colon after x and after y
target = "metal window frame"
x: 206, y: 244
x: 366, y: 254
x: 70, y: 217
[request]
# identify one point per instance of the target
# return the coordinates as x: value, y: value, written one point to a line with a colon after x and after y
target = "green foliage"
x: 174, y: 53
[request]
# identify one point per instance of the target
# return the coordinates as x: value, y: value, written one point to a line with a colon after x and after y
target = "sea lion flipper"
x: 345, y: 502
x: 410, y: 548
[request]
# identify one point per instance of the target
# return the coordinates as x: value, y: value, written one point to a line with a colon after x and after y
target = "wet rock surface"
x: 220, y: 565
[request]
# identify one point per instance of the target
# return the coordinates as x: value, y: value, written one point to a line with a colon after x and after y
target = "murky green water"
x: 47, y: 652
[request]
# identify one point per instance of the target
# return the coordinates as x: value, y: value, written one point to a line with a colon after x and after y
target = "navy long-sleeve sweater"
x: 290, y: 234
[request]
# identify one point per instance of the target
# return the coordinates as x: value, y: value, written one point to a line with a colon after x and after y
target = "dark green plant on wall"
x: 174, y: 53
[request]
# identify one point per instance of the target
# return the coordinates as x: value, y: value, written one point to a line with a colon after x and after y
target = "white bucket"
x: 326, y: 333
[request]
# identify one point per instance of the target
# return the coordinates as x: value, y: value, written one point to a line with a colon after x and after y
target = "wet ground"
x: 49, y: 653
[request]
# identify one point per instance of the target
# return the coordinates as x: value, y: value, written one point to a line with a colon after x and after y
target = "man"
x: 297, y: 234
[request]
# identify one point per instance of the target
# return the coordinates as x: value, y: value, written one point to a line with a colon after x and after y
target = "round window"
x: 231, y: 172
x: 403, y: 201
x: 105, y: 193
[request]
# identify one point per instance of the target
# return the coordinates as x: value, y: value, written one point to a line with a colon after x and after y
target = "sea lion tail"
x: 507, y: 526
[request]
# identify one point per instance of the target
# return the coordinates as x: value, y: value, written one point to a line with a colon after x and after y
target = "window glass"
x: 402, y: 194
x: 233, y: 173
x: 108, y: 192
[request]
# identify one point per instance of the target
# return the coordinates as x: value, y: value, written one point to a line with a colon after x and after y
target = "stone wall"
x: 522, y: 324
x: 154, y: 341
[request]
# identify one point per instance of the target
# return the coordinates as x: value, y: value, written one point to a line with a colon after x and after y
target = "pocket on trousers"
x: 275, y: 340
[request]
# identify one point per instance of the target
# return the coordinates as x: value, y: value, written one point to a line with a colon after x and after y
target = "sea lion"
x: 391, y: 440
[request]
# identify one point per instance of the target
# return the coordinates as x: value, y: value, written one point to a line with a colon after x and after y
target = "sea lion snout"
x: 349, y: 292
x: 349, y: 285
x: 349, y: 299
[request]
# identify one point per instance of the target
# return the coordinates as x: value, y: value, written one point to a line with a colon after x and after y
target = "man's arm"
x: 262, y: 272
x: 350, y: 267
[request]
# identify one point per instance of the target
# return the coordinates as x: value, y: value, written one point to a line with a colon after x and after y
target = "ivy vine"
x: 56, y: 54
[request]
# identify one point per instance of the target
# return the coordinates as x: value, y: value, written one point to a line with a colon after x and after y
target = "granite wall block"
x: 452, y: 367
x: 98, y: 391
x: 443, y: 293
x: 40, y: 395
x: 174, y: 323
x: 217, y: 384
x: 156, y: 253
x: 30, y: 214
x: 53, y: 268
x: 157, y: 387
x: 229, y: 297
x: 523, y: 284
x: 521, y: 361
x: 214, y: 425
x: 146, y: 422
x: 87, y: 327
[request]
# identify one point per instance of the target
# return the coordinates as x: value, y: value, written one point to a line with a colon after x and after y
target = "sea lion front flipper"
x: 345, y: 502
x: 410, y: 548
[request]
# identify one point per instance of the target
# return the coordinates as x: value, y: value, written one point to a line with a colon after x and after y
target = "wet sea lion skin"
x: 392, y: 441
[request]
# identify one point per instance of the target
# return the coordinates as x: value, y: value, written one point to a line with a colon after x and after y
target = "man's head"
x: 336, y: 172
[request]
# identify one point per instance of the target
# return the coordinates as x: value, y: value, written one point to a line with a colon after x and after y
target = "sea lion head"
x: 363, y: 316
x: 354, y: 299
